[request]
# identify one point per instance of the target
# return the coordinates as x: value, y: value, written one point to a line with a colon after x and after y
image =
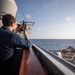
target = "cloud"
x: 28, y: 16
x: 38, y: 29
x: 69, y: 19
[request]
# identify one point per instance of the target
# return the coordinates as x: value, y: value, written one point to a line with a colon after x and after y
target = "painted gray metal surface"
x: 8, y: 6
x: 53, y: 63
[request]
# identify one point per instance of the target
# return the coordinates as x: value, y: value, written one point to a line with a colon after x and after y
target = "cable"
x: 21, y: 9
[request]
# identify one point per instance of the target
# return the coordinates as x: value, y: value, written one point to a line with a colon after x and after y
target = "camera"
x: 20, y: 27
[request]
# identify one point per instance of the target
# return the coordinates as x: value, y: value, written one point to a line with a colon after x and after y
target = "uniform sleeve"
x: 18, y: 41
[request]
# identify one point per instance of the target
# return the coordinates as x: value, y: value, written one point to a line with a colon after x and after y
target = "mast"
x: 7, y: 7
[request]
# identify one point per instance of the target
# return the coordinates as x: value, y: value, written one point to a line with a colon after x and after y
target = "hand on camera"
x: 25, y: 29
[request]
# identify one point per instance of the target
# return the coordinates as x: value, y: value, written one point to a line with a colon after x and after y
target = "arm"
x: 21, y: 42
x: 25, y: 31
x: 18, y: 41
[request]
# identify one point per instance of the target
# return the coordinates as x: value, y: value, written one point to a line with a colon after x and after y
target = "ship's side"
x: 52, y: 63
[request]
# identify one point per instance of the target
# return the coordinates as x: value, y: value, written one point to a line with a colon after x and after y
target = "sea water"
x: 53, y: 44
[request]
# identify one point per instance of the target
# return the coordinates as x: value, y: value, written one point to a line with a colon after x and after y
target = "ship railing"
x: 52, y: 63
x: 72, y: 58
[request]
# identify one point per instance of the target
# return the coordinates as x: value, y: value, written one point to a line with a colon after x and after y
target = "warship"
x: 67, y: 54
x: 36, y: 60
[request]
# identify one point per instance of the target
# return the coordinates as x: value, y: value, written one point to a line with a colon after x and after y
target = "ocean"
x: 53, y: 44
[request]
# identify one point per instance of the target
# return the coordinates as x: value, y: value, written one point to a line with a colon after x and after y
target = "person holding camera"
x: 9, y: 41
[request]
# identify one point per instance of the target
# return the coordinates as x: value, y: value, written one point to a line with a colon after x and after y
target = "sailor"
x: 9, y: 41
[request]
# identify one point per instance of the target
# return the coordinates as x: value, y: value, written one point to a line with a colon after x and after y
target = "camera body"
x: 20, y: 27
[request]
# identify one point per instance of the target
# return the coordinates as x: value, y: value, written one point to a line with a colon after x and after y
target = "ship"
x: 67, y: 54
x: 35, y: 60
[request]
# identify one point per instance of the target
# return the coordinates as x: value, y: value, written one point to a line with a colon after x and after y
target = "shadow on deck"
x: 26, y: 63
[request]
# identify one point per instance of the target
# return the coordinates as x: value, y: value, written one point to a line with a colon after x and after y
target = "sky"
x: 54, y: 19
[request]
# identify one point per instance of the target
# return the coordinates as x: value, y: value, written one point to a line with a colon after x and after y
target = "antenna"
x: 21, y: 9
